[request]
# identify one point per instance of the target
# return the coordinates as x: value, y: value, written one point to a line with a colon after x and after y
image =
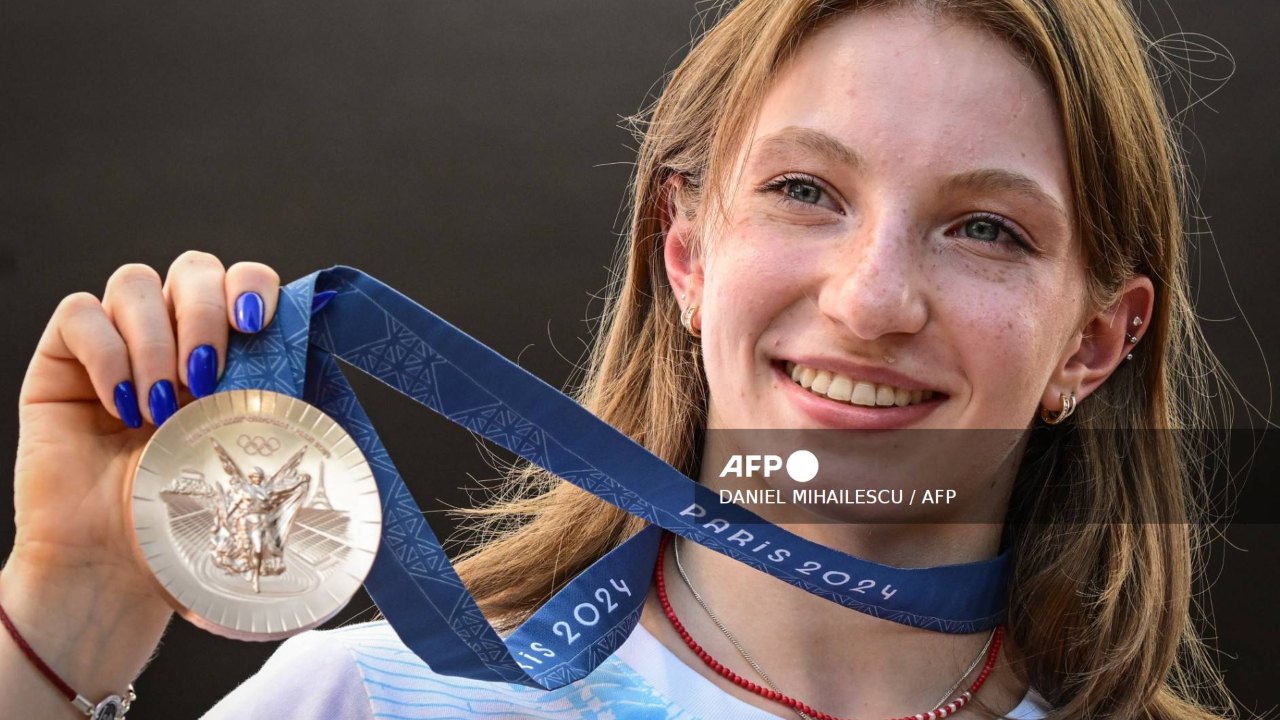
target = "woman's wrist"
x: 95, y: 637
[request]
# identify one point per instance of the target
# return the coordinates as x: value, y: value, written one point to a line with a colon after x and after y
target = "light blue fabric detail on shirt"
x: 401, y: 687
x: 365, y: 672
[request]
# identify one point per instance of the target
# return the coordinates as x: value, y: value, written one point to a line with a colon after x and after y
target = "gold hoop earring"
x: 686, y: 319
x: 1068, y: 407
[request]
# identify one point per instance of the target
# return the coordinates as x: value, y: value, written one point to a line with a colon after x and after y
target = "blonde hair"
x: 1101, y: 597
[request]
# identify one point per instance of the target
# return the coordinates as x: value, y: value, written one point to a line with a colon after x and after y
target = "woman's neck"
x: 833, y: 658
x: 838, y: 660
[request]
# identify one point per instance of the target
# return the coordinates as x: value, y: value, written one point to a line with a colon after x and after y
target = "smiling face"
x: 899, y: 230
x: 896, y: 252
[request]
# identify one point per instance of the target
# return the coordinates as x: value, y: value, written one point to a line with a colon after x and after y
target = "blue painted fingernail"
x: 127, y: 405
x: 320, y: 299
x: 202, y: 370
x: 249, y: 312
x: 163, y: 401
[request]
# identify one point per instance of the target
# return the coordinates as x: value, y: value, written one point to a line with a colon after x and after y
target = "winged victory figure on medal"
x: 255, y: 515
x: 252, y: 519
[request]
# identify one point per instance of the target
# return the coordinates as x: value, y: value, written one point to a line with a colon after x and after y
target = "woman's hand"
x: 105, y: 374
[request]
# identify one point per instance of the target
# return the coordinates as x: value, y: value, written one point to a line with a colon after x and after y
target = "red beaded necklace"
x: 946, y: 710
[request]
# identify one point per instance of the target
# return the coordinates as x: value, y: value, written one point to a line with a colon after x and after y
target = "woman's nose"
x: 873, y: 282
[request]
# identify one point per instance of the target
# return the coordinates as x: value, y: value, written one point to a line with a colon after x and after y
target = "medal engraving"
x: 256, y: 513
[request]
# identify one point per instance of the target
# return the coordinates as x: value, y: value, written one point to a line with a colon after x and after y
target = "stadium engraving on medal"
x: 256, y: 512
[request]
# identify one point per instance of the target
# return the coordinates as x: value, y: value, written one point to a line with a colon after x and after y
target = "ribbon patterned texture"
x: 379, y: 331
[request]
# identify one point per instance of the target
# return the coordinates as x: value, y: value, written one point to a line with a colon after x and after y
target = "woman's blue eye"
x: 987, y: 229
x: 982, y: 229
x: 799, y: 188
x: 804, y: 192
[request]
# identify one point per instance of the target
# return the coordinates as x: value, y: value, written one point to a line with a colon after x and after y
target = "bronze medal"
x: 256, y: 512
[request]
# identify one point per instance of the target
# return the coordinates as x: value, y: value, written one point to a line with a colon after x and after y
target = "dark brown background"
x: 470, y: 155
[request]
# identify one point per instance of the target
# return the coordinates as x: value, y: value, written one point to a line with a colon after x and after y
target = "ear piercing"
x: 1133, y: 339
x: 686, y: 319
x: 1068, y: 407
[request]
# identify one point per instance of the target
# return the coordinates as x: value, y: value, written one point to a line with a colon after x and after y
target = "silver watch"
x: 113, y: 707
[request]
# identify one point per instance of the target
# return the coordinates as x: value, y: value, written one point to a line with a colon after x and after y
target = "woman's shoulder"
x: 1032, y: 707
x: 310, y: 675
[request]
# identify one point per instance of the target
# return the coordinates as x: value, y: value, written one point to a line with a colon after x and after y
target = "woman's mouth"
x: 854, y: 391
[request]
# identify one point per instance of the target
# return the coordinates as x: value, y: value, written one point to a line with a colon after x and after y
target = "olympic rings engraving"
x: 258, y: 445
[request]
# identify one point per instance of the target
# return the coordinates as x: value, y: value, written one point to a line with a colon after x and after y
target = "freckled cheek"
x: 1004, y: 359
x: 998, y: 331
x: 751, y: 270
x: 751, y: 283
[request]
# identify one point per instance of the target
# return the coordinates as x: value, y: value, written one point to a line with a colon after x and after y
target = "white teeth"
x: 806, y: 377
x: 821, y: 382
x: 863, y: 394
x: 845, y: 389
x: 841, y: 388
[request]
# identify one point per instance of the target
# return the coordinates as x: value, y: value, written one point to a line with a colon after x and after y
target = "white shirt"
x: 364, y: 672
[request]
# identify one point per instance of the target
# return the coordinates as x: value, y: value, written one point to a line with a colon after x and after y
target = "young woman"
x: 959, y: 216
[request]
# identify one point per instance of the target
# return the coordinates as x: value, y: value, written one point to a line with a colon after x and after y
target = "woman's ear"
x: 680, y: 252
x: 1106, y: 340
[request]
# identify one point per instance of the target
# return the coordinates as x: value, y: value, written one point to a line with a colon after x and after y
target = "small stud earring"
x: 1137, y: 321
x: 1132, y: 338
x: 1128, y: 357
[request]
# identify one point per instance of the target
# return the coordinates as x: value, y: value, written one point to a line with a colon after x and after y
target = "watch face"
x: 256, y: 512
x: 108, y: 709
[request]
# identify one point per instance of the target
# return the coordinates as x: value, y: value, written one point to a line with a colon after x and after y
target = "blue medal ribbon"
x: 374, y: 328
